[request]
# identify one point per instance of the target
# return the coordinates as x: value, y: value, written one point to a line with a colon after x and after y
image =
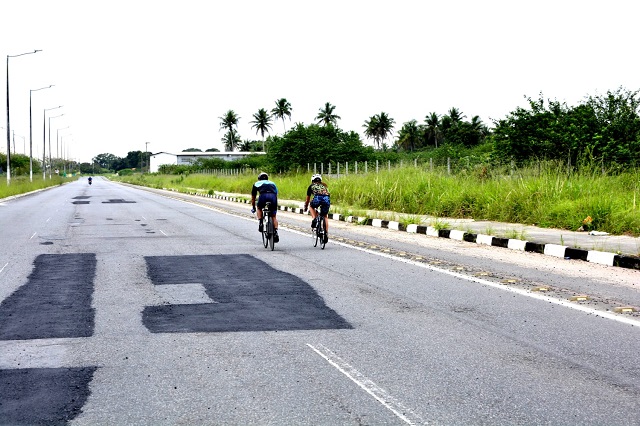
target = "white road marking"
x: 5, y: 265
x: 163, y: 233
x: 48, y: 219
x: 382, y: 396
x: 34, y: 234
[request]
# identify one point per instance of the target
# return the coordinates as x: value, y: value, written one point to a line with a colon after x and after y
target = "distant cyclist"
x: 268, y: 193
x: 318, y: 189
x: 90, y: 180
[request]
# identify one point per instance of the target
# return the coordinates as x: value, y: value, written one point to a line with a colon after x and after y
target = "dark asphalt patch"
x: 43, y: 396
x: 117, y: 201
x: 250, y: 295
x: 81, y: 202
x: 55, y: 302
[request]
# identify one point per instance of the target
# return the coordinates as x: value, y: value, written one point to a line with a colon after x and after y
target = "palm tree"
x: 231, y: 140
x: 455, y: 115
x: 262, y: 123
x: 379, y: 127
x: 229, y: 121
x: 326, y: 115
x: 371, y: 129
x: 282, y: 110
x: 433, y: 129
x: 410, y: 134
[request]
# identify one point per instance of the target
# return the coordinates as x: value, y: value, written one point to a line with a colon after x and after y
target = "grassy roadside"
x: 22, y: 185
x: 542, y: 196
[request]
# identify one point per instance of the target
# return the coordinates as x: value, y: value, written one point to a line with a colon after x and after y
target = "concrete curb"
x: 555, y: 250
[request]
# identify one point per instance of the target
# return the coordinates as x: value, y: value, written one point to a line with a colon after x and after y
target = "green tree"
x: 106, y: 161
x: 326, y: 116
x: 282, y: 110
x: 262, y: 123
x: 231, y: 140
x: 229, y: 122
x: 379, y: 127
x: 410, y: 136
x: 433, y: 129
x: 192, y: 150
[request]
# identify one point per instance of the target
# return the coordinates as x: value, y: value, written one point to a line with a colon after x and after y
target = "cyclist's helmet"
x: 263, y: 176
x: 316, y: 177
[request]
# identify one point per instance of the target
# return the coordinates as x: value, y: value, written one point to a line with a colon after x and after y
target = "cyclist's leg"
x: 259, y: 206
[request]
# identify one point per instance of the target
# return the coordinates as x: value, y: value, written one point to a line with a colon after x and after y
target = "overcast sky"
x: 163, y: 72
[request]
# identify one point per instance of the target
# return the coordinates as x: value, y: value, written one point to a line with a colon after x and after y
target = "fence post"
x: 356, y: 171
x: 321, y: 168
x: 415, y: 162
x: 338, y: 167
x: 448, y: 165
x: 389, y: 165
x: 346, y: 168
x: 377, y: 167
x: 366, y: 167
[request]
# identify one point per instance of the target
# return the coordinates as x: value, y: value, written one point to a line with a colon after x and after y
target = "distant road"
x: 128, y: 306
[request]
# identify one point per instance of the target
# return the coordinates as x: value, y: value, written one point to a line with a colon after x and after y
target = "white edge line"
x: 526, y: 293
x: 5, y: 265
x: 163, y: 233
x: 34, y: 234
x: 367, y: 385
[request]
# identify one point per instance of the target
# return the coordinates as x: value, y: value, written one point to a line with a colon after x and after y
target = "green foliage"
x: 603, y: 129
x: 303, y: 145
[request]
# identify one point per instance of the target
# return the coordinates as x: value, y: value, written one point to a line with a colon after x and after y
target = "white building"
x: 160, y: 158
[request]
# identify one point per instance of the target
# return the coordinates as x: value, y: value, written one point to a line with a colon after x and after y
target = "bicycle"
x: 267, y: 231
x: 320, y: 231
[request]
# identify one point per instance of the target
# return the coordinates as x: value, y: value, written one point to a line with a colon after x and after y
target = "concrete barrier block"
x: 517, y: 244
x: 483, y: 239
x: 555, y: 250
x: 601, y: 257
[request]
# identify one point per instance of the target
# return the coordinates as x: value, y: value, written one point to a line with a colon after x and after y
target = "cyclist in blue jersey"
x: 318, y: 189
x: 268, y: 192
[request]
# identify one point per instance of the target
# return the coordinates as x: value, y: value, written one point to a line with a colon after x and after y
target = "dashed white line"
x: 34, y: 234
x: 382, y: 396
x: 5, y: 265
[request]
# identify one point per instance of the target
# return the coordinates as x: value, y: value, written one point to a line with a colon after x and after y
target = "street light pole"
x: 146, y: 151
x: 50, y: 161
x: 8, y: 120
x: 44, y: 141
x: 31, y: 134
x: 57, y: 145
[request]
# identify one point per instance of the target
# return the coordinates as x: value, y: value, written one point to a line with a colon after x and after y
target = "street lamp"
x: 31, y: 134
x: 8, y: 120
x: 58, y: 143
x: 146, y: 151
x: 50, y: 161
x: 44, y: 142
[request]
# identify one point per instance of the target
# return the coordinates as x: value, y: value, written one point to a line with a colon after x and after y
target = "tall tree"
x: 228, y: 122
x: 262, y: 123
x: 282, y: 109
x: 410, y: 136
x: 326, y: 115
x: 379, y: 127
x: 231, y: 140
x: 433, y: 128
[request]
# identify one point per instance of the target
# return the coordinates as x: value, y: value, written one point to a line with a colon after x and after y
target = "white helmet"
x: 316, y: 177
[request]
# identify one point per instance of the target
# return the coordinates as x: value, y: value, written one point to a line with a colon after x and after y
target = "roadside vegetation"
x: 544, y: 195
x: 549, y: 164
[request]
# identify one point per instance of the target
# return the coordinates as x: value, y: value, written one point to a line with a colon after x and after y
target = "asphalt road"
x: 128, y: 306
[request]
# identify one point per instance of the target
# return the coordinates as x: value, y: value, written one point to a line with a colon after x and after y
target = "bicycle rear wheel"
x: 270, y: 232
x: 322, y: 233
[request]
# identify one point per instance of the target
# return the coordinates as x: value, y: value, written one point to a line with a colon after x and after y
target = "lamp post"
x: 31, y: 134
x: 50, y: 161
x: 58, y: 144
x: 146, y: 151
x: 8, y: 120
x: 44, y: 141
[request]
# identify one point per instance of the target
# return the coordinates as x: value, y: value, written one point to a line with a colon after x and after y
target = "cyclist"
x: 320, y: 194
x: 268, y: 192
x: 90, y: 180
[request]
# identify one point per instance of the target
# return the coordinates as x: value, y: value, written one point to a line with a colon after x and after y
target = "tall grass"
x: 544, y: 195
x: 22, y: 185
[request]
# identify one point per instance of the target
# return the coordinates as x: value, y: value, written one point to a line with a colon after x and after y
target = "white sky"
x: 163, y: 72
